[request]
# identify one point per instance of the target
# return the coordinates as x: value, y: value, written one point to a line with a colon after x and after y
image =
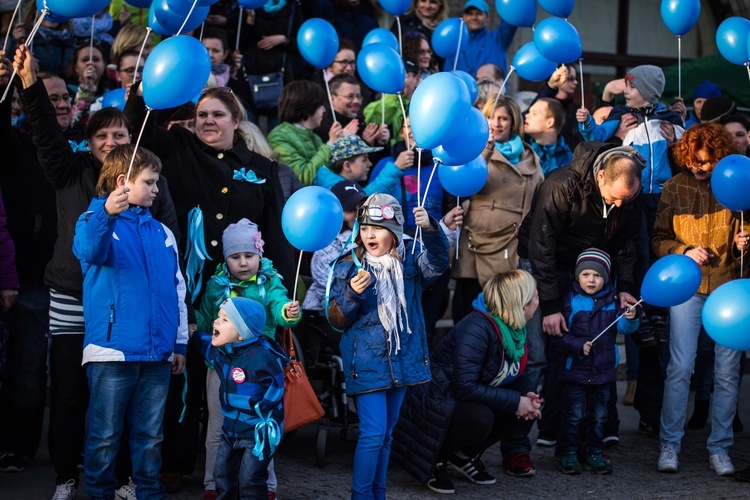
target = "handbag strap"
x: 288, y: 344
x: 288, y: 33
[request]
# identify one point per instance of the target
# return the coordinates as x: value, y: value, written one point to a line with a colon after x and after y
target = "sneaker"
x: 211, y: 495
x: 611, y: 440
x: 596, y: 462
x: 519, y: 465
x: 440, y: 482
x: 668, y: 459
x: 546, y: 439
x: 650, y: 429
x: 660, y: 331
x: 472, y: 468
x: 643, y: 337
x: 569, y: 463
x: 721, y: 463
x: 66, y: 491
x: 126, y: 491
x: 11, y: 462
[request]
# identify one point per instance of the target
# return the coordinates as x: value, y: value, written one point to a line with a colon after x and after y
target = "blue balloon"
x: 53, y: 17
x: 318, y: 42
x: 114, y: 99
x: 517, y: 12
x: 730, y: 181
x: 559, y: 8
x: 381, y: 35
x: 395, y: 7
x: 530, y: 65
x: 469, y: 142
x: 312, y: 218
x: 154, y: 24
x: 446, y: 36
x: 381, y: 68
x: 175, y: 71
x: 680, y: 15
x: 471, y: 84
x: 726, y: 316
x: 733, y: 40
x: 252, y: 4
x: 171, y: 15
x: 670, y: 281
x: 142, y: 4
x: 78, y: 8
x: 464, y: 180
x: 437, y: 105
x: 557, y: 40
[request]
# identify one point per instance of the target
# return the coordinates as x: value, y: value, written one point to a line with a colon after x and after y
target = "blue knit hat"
x: 248, y: 316
x: 705, y: 90
x: 595, y: 260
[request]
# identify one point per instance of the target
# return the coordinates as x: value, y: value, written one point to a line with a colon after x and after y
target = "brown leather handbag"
x: 301, y: 405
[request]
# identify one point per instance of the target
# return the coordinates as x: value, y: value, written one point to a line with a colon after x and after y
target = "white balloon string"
x: 615, y: 321
x: 296, y: 277
x: 382, y: 110
x: 30, y: 44
x: 203, y: 25
x: 28, y: 41
x: 140, y: 53
x: 580, y: 79
x: 137, y: 143
x: 458, y: 49
x: 435, y: 163
x: 400, y: 45
x: 679, y: 66
x: 403, y: 113
x: 330, y: 101
x: 10, y: 25
x: 458, y: 234
x: 501, y: 91
x: 747, y: 66
x: 190, y: 12
x: 91, y: 41
x: 239, y: 29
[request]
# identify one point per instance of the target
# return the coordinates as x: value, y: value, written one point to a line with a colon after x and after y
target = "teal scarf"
x: 274, y: 6
x: 511, y: 150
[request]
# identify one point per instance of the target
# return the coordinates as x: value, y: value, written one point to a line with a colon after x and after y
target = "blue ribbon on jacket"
x: 268, y: 429
x: 247, y: 176
x: 196, y: 253
x: 79, y: 146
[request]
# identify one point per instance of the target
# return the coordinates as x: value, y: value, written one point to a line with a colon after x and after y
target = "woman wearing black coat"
x: 478, y: 394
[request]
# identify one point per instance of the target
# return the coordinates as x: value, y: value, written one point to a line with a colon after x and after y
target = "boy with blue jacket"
x: 135, y: 320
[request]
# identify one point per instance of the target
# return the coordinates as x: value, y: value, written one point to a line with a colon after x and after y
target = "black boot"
x: 700, y: 415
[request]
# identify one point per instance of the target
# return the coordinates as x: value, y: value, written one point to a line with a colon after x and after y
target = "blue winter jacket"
x: 385, y: 182
x: 370, y: 364
x: 484, y: 47
x: 133, y: 290
x: 647, y: 138
x: 251, y: 373
x: 587, y: 316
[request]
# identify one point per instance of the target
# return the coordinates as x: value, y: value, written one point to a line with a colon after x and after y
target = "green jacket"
x: 394, y: 118
x: 265, y: 287
x: 301, y: 149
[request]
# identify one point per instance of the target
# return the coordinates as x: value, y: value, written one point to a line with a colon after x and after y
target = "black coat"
x: 566, y: 218
x: 74, y: 176
x: 464, y: 364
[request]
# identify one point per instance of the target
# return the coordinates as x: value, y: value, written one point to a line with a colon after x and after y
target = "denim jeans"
x: 238, y: 473
x: 583, y: 402
x: 685, y: 326
x: 24, y: 384
x: 132, y: 392
x: 378, y: 413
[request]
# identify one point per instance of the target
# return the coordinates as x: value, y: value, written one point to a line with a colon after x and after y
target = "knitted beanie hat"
x: 705, y: 90
x: 248, y: 316
x: 649, y: 80
x: 595, y: 260
x: 243, y: 236
x: 383, y: 210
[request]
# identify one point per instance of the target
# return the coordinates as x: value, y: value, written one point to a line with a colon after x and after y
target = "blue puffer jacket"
x: 133, y: 290
x: 647, y: 138
x: 587, y: 316
x: 369, y: 365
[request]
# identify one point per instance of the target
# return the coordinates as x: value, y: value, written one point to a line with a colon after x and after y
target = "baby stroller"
x: 325, y: 370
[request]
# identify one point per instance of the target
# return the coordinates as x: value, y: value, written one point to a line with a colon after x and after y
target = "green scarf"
x: 513, y: 339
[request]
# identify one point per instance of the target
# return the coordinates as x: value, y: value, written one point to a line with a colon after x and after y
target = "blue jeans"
x: 238, y: 471
x: 135, y: 392
x: 583, y: 402
x: 24, y: 384
x: 378, y: 413
x: 684, y: 329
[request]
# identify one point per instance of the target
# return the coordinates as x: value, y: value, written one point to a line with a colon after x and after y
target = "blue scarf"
x: 511, y: 150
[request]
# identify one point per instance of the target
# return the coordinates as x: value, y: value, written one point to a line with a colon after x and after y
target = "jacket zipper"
x: 111, y: 321
x: 651, y: 159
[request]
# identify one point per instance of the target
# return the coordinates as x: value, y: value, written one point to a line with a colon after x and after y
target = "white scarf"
x: 389, y: 289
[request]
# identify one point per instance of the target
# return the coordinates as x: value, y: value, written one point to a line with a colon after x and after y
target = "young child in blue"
x: 135, y: 321
x: 245, y: 273
x: 587, y: 367
x: 250, y: 367
x: 375, y: 299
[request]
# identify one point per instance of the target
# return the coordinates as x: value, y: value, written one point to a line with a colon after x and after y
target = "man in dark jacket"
x: 593, y: 202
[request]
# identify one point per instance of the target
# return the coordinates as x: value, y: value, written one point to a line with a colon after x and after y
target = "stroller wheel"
x: 320, y: 452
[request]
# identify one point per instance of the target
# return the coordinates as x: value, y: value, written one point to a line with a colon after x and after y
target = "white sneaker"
x: 667, y: 459
x: 126, y: 491
x: 65, y: 491
x: 721, y: 463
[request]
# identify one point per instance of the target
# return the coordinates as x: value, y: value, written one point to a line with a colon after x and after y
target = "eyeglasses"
x: 131, y: 71
x: 54, y: 98
x: 349, y: 97
x: 346, y: 62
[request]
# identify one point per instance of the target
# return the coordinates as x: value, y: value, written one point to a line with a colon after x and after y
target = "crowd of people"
x: 150, y: 284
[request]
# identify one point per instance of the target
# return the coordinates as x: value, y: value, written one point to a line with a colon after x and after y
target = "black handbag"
x: 265, y: 90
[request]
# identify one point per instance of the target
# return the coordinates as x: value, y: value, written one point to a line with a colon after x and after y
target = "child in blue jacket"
x: 250, y: 366
x: 589, y: 366
x: 135, y: 320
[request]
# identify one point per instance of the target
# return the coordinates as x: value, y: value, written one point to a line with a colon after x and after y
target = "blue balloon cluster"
x: 381, y: 68
x: 733, y: 40
x: 469, y: 142
x: 318, y: 42
x: 726, y: 315
x: 530, y: 65
x: 464, y: 180
x: 438, y: 104
x: 680, y: 15
x: 312, y: 218
x: 175, y: 72
x: 730, y: 181
x: 670, y: 281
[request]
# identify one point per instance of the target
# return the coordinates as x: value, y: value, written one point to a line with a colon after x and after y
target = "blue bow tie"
x: 79, y: 146
x: 249, y: 176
